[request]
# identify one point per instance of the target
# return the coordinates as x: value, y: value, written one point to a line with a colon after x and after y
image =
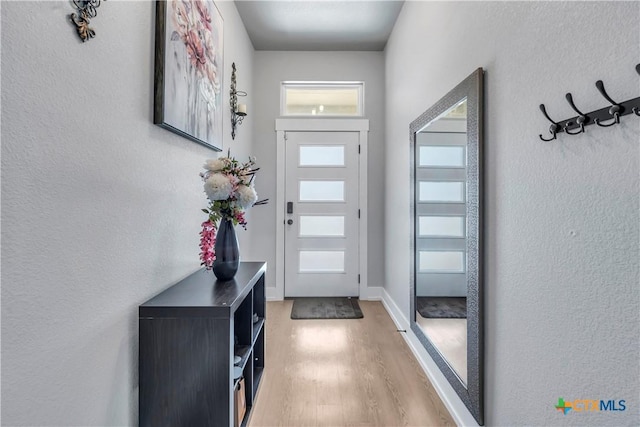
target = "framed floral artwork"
x: 188, y: 70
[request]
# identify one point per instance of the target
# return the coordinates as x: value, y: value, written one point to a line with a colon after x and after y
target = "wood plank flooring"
x: 356, y: 372
x: 450, y: 338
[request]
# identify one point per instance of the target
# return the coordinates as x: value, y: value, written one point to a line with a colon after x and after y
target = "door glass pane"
x: 322, y: 155
x: 441, y: 261
x: 321, y: 191
x: 321, y: 262
x: 431, y: 191
x: 441, y: 156
x: 320, y: 226
x: 449, y: 226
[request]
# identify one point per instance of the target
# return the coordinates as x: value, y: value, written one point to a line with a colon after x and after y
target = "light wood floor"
x: 450, y: 338
x: 357, y: 372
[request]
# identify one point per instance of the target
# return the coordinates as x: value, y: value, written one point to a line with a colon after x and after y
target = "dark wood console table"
x: 189, y: 335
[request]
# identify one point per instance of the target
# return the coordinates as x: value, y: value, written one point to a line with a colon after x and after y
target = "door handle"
x: 289, y: 221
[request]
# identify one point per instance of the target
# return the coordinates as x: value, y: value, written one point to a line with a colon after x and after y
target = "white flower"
x: 247, y: 196
x: 214, y: 165
x: 245, y: 179
x: 218, y: 187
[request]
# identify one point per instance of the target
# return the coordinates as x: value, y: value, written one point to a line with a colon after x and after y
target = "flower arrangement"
x: 229, y: 188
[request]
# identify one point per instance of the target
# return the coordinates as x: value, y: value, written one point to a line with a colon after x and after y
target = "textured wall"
x: 562, y: 223
x: 272, y: 68
x: 100, y: 208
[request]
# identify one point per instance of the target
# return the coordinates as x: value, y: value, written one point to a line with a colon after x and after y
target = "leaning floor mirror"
x: 446, y: 229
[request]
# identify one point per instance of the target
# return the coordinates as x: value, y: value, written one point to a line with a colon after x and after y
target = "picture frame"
x: 188, y: 80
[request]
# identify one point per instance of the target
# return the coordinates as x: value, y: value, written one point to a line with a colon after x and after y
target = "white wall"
x: 271, y: 68
x: 561, y: 224
x: 100, y: 208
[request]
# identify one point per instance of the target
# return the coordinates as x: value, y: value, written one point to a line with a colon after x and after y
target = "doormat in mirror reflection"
x: 442, y: 307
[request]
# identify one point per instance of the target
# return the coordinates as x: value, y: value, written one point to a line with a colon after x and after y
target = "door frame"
x: 320, y: 125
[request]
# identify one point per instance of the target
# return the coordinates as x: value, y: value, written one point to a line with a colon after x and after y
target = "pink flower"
x: 207, y: 244
x: 209, y: 46
x: 196, y: 51
x: 180, y: 18
x: 233, y: 179
x: 205, y: 18
x: 239, y: 216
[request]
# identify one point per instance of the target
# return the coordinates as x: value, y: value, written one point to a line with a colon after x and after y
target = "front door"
x: 321, y: 214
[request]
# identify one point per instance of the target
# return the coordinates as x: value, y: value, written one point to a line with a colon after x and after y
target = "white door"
x: 321, y: 214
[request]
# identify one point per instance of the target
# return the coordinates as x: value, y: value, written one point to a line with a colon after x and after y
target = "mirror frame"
x: 471, y: 88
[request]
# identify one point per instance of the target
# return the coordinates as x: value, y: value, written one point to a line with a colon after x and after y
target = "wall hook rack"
x: 604, y: 117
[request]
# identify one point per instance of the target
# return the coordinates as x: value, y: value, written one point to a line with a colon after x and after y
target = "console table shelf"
x: 189, y: 335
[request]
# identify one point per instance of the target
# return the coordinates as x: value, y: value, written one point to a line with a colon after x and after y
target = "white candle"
x: 242, y: 109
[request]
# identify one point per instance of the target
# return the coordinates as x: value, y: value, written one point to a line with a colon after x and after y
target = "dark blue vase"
x: 225, y: 266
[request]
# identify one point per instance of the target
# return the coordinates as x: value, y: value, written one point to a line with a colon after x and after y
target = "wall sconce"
x: 238, y: 111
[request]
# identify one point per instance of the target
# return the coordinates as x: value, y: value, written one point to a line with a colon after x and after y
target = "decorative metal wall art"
x: 604, y: 117
x: 189, y: 70
x: 86, y: 9
x: 238, y: 111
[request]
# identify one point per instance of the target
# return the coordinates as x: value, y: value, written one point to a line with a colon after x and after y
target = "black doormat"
x: 442, y: 307
x: 326, y: 308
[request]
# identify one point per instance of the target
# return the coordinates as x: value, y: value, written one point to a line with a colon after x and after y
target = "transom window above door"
x: 322, y: 99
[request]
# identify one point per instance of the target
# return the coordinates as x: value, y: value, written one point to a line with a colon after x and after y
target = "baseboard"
x: 452, y: 402
x: 271, y: 294
x: 394, y: 311
x: 372, y: 293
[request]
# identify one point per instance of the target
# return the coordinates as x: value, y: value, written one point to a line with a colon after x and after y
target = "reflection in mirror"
x: 446, y: 270
x: 441, y: 285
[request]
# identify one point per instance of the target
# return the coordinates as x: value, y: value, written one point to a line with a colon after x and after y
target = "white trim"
x: 280, y: 197
x: 371, y: 293
x: 459, y: 412
x: 363, y: 168
x: 394, y: 311
x: 272, y: 294
x: 320, y: 125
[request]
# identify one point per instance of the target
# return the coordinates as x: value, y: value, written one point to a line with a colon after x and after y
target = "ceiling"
x: 319, y: 25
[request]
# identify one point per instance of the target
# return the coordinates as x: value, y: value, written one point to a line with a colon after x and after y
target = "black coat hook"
x: 604, y: 117
x: 581, y: 120
x: 553, y: 129
x: 615, y: 109
x: 636, y: 110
